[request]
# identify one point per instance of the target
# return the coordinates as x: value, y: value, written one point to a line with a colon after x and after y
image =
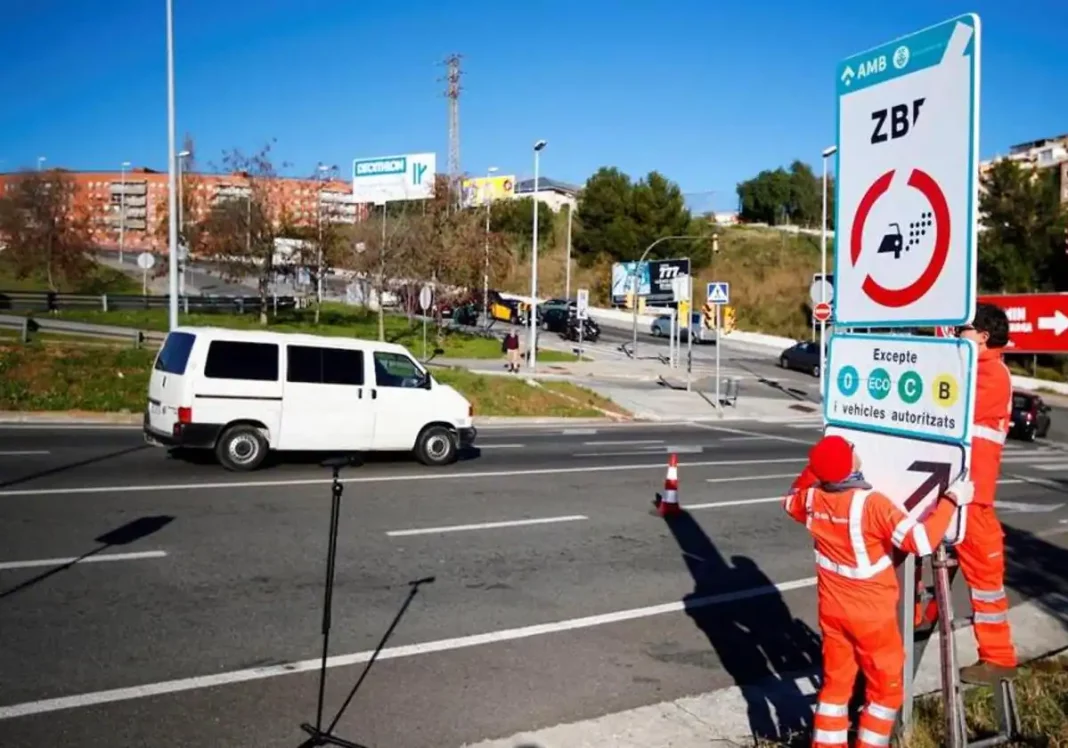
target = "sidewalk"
x: 698, y: 721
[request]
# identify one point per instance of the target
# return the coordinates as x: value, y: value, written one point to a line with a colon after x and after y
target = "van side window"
x: 229, y: 359
x: 396, y: 370
x: 174, y: 355
x: 314, y: 365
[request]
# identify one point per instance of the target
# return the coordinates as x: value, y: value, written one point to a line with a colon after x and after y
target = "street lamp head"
x: 828, y: 152
x: 184, y: 154
x: 492, y: 170
x: 126, y: 164
x: 540, y: 144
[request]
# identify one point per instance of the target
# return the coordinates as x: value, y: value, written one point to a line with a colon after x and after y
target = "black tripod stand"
x: 317, y: 735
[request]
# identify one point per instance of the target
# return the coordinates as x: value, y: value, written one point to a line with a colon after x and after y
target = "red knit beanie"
x: 831, y: 459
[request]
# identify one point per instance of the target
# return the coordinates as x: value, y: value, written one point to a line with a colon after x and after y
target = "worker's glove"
x: 805, y: 481
x: 961, y: 492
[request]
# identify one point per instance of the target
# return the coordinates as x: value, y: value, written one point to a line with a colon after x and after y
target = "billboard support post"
x: 634, y: 284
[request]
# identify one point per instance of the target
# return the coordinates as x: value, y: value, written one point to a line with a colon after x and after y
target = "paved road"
x: 571, y: 611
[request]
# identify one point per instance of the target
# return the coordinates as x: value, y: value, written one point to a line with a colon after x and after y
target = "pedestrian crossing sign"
x: 719, y: 292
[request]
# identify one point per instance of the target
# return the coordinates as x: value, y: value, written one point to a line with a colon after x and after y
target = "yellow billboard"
x: 479, y: 189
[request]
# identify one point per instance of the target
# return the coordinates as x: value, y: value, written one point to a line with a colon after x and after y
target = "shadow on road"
x: 755, y: 636
x: 1035, y: 567
x: 73, y: 465
x: 129, y: 533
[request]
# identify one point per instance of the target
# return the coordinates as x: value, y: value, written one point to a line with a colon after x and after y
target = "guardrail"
x: 28, y: 326
x: 49, y: 301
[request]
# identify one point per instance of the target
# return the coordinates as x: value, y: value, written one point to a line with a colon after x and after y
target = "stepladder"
x: 956, y: 728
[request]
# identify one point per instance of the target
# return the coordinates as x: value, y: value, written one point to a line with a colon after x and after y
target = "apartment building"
x: 128, y: 207
x: 1045, y: 153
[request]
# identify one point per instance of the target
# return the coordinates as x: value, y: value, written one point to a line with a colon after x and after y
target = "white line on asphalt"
x: 428, y: 476
x: 683, y: 449
x: 1032, y: 457
x: 624, y: 441
x: 500, y: 446
x: 742, y: 438
x: 18, y: 452
x: 442, y: 645
x: 736, y: 502
x: 485, y: 525
x: 751, y: 477
x: 103, y: 557
x: 1047, y: 467
x: 741, y: 432
x: 579, y: 432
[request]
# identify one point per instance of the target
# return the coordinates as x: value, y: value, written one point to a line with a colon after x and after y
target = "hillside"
x: 769, y: 271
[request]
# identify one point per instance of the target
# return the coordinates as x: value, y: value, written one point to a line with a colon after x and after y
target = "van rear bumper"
x: 188, y: 435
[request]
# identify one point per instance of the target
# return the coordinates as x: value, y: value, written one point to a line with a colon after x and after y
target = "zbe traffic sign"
x: 908, y: 136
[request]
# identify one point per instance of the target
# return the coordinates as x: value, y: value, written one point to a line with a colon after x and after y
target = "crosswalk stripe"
x: 1051, y: 467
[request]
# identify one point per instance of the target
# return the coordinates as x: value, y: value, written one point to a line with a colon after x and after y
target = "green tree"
x: 515, y: 218
x: 618, y: 218
x: 781, y: 196
x: 1022, y: 241
x: 43, y: 232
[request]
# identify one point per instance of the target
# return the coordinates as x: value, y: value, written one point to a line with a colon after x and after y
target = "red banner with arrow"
x: 1038, y: 322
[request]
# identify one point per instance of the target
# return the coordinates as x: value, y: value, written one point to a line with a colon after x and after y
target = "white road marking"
x: 428, y: 476
x: 500, y: 446
x: 93, y: 698
x: 1022, y: 506
x: 682, y: 449
x: 742, y: 438
x: 101, y: 558
x: 579, y: 432
x: 485, y: 526
x: 751, y: 477
x: 18, y: 452
x: 622, y: 442
x: 742, y: 432
x: 1033, y: 457
x: 1048, y: 467
x: 736, y: 502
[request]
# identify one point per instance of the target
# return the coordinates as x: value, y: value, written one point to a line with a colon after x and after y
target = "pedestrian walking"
x: 510, y: 347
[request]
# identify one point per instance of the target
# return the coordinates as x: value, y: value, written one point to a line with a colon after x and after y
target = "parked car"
x: 554, y: 319
x: 804, y: 356
x: 661, y: 328
x: 1030, y: 416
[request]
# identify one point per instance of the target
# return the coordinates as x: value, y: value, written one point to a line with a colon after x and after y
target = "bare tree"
x: 193, y: 205
x: 43, y: 229
x: 244, y: 220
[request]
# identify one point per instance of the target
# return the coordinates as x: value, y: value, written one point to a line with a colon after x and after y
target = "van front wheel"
x: 241, y: 448
x: 436, y: 446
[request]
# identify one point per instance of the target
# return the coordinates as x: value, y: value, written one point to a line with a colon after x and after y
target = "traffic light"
x: 728, y: 319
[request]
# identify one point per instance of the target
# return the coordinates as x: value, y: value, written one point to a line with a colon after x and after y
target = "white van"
x: 242, y: 393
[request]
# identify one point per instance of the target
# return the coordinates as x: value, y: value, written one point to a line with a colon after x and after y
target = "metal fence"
x: 49, y: 301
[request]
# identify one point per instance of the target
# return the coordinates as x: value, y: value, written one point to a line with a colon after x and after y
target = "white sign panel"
x: 907, y: 181
x: 718, y: 292
x: 146, y: 260
x: 582, y: 303
x: 680, y: 287
x: 913, y: 473
x: 426, y: 296
x: 389, y: 179
x: 816, y: 292
x: 903, y: 386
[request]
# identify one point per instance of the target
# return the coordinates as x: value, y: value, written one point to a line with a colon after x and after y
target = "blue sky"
x: 708, y: 93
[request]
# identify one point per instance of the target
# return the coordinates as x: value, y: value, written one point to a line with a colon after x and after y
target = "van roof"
x: 270, y: 336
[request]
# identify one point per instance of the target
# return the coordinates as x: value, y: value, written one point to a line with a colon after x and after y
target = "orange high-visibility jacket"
x: 855, y: 532
x: 993, y: 415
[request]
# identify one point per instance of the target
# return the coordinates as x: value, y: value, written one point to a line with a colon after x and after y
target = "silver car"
x: 661, y: 328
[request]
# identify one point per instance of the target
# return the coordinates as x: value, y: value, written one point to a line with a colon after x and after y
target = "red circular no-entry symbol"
x: 910, y: 294
x: 822, y: 312
x: 946, y: 332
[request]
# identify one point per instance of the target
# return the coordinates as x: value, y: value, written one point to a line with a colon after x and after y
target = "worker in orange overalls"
x: 856, y: 530
x: 982, y: 551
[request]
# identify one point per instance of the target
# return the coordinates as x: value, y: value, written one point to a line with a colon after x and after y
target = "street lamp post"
x: 567, y: 270
x: 634, y: 287
x: 40, y: 162
x: 172, y: 197
x: 485, y: 271
x: 122, y: 211
x: 538, y: 146
x: 319, y: 261
x: 827, y: 153
x: 181, y: 225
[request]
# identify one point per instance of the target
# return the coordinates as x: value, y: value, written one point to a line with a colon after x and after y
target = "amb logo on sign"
x: 907, y: 181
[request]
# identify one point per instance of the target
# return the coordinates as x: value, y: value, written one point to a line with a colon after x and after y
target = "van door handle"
x: 374, y: 394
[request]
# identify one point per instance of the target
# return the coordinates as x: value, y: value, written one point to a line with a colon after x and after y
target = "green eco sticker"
x: 910, y: 387
x: 879, y: 384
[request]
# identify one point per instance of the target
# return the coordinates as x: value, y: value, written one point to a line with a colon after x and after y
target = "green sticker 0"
x: 910, y: 387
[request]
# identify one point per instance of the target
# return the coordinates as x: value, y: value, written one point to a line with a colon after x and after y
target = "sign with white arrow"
x: 1038, y: 322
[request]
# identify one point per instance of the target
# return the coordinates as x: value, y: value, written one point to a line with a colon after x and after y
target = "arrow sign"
x: 1058, y: 322
x: 938, y: 477
x: 847, y: 76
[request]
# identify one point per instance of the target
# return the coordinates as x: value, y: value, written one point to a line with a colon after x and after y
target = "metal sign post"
x: 671, y: 340
x: 717, y: 356
x: 582, y: 305
x: 426, y: 297
x: 689, y: 332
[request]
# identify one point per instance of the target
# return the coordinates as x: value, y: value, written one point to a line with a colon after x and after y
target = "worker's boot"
x: 986, y: 673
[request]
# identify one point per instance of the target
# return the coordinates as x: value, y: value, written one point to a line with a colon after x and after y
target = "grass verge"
x: 99, y: 280
x: 335, y: 319
x: 64, y: 376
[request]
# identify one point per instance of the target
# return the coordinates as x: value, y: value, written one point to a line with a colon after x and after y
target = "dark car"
x: 805, y: 356
x: 554, y: 319
x: 1030, y: 416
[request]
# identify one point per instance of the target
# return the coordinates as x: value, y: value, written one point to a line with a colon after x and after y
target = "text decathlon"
x: 389, y: 166
x: 894, y: 357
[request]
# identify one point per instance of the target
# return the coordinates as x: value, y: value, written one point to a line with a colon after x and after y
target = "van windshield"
x: 174, y: 355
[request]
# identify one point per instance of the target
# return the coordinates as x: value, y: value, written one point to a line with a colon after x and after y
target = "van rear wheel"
x: 437, y: 446
x: 241, y: 448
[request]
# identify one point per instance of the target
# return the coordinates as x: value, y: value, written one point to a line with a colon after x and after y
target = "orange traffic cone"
x: 667, y: 503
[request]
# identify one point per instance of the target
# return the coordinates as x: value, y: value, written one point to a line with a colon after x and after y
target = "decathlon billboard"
x: 389, y: 179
